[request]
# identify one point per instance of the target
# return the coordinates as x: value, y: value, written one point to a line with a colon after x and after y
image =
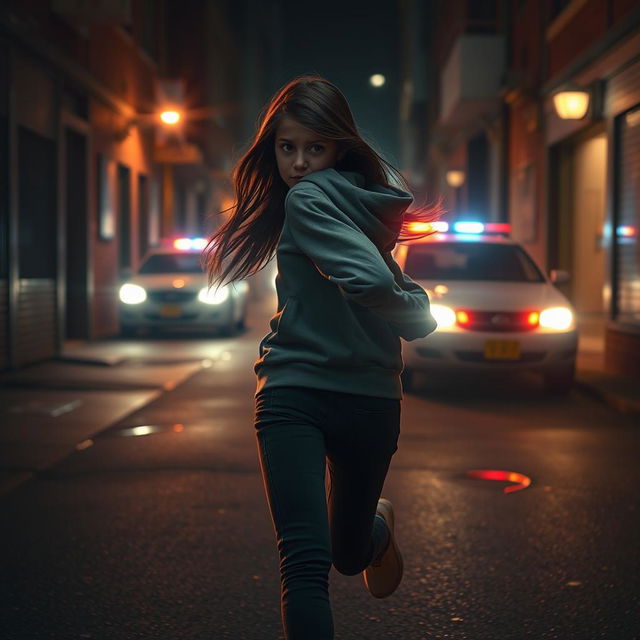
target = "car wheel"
x: 228, y: 331
x: 127, y: 331
x: 560, y: 383
x: 406, y: 377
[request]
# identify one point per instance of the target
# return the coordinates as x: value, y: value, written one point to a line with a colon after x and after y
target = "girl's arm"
x: 343, y: 254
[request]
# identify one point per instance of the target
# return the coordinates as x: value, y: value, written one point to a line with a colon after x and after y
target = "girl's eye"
x: 314, y: 148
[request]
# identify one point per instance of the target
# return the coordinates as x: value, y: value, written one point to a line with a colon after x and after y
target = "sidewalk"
x: 622, y: 393
x: 51, y: 408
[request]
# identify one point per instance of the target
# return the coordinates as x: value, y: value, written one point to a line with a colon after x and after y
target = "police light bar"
x: 468, y: 227
x: 626, y: 231
x: 428, y: 227
x: 190, y: 244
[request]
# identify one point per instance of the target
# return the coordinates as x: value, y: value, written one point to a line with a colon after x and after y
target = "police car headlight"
x: 132, y: 293
x: 558, y: 318
x: 444, y: 316
x: 213, y: 296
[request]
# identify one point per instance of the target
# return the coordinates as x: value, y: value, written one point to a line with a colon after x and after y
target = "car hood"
x: 494, y: 296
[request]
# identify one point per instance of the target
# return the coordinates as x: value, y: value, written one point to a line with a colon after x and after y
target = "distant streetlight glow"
x: 170, y: 117
x: 455, y: 178
x: 377, y: 80
x: 571, y: 105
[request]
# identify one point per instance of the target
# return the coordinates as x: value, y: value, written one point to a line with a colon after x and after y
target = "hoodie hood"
x: 377, y: 210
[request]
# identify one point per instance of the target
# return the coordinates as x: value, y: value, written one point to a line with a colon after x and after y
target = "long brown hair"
x: 247, y: 240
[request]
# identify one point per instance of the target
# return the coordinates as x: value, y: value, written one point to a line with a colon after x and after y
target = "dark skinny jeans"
x: 299, y: 429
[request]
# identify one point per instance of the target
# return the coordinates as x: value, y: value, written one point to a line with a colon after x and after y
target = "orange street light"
x: 170, y: 116
x: 455, y: 178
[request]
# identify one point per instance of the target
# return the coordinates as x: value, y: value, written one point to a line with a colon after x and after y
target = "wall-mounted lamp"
x: 571, y: 104
x: 455, y: 177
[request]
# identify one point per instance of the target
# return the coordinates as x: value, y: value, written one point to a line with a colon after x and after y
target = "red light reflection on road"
x: 522, y: 481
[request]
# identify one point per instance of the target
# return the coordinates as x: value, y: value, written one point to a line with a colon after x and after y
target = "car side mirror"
x: 559, y: 276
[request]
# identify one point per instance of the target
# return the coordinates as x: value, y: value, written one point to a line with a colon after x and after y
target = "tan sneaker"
x: 383, y: 575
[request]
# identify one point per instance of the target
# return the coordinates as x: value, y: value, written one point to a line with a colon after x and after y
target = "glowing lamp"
x: 627, y: 231
x: 377, y: 80
x: 170, y: 116
x: 132, y: 293
x: 455, y: 178
x: 420, y: 227
x: 468, y: 227
x: 444, y: 316
x: 213, y: 296
x: 186, y: 244
x: 428, y: 227
x: 497, y: 227
x: 571, y: 105
x: 556, y: 318
x: 463, y: 318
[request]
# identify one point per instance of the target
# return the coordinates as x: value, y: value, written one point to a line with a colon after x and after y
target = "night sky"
x: 346, y: 42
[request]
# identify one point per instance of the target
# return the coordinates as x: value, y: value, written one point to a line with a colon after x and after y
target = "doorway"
x: 124, y: 217
x: 77, y: 237
x: 589, y: 189
x: 576, y: 220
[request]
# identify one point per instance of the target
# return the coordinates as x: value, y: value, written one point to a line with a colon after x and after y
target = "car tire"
x: 561, y: 382
x: 127, y: 331
x: 406, y: 377
x: 228, y: 331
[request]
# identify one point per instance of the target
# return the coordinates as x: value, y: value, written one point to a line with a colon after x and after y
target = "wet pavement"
x: 150, y: 521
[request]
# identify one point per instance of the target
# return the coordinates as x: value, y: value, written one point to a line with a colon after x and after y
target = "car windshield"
x: 172, y: 263
x: 470, y: 261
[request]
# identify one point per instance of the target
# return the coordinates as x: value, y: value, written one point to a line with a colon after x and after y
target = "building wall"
x: 576, y: 29
x: 91, y: 76
x: 589, y: 42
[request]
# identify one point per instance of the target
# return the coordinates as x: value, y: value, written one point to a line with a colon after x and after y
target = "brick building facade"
x: 568, y: 187
x: 85, y: 187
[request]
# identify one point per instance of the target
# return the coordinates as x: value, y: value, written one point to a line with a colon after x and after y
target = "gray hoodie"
x: 343, y: 302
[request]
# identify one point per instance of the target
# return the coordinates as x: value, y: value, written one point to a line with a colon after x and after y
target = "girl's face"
x: 300, y: 151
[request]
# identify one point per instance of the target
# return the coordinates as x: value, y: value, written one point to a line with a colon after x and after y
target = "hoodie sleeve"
x: 343, y: 254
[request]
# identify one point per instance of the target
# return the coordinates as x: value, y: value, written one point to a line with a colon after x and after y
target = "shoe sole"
x: 385, y: 509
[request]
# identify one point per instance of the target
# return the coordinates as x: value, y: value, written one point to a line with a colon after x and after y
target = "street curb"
x: 24, y: 476
x: 615, y: 401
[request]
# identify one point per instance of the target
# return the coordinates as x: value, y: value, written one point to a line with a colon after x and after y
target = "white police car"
x: 170, y: 292
x: 496, y: 310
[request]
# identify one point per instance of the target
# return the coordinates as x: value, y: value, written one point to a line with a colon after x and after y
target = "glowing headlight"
x: 213, y: 296
x: 132, y: 294
x: 444, y: 316
x: 558, y: 318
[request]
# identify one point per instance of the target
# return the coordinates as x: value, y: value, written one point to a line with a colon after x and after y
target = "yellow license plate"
x: 171, y: 311
x: 502, y: 350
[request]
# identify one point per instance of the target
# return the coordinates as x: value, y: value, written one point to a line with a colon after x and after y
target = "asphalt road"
x: 166, y: 534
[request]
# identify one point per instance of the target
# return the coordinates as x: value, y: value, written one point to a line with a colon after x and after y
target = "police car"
x: 496, y: 310
x: 170, y: 291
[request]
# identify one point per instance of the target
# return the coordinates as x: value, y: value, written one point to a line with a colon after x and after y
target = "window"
x: 172, y: 263
x: 470, y: 261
